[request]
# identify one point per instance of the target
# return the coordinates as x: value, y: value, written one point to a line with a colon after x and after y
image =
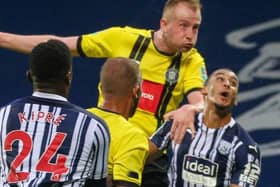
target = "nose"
x: 226, y: 83
x: 189, y: 34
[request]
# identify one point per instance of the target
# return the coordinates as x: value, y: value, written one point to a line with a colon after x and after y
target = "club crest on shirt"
x: 224, y: 147
x: 172, y: 75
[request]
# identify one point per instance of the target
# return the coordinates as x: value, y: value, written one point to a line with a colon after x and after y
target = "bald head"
x: 118, y: 76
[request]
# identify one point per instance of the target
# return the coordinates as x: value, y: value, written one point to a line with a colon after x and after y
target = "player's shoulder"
x: 108, y: 116
x: 124, y: 129
x: 135, y: 138
x: 193, y: 55
x: 244, y: 135
x: 115, y: 122
x: 19, y: 102
x: 127, y: 128
x: 92, y: 116
x: 132, y: 30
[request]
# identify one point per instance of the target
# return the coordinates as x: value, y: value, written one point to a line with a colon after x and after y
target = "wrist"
x: 197, y: 108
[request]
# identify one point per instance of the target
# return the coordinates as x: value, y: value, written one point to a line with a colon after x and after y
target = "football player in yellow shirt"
x: 171, y: 67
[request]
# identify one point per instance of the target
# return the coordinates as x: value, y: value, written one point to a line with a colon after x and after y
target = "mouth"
x: 225, y: 99
x: 224, y: 94
x: 188, y: 46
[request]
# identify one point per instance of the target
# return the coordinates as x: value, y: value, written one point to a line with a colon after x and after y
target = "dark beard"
x: 223, y: 111
x: 134, y: 107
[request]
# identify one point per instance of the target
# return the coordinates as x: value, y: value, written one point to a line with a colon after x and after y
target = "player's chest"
x: 204, y: 162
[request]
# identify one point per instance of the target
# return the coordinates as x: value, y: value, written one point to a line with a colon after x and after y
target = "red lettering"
x: 21, y: 117
x: 59, y: 119
x: 40, y: 115
x: 32, y: 115
x: 49, y: 117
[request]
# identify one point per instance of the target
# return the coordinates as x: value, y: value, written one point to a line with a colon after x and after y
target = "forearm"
x: 195, y: 98
x: 195, y: 103
x: 153, y: 152
x: 22, y: 43
x: 25, y: 43
x: 196, y: 108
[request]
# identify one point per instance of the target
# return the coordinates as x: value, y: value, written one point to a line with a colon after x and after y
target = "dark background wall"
x: 241, y: 35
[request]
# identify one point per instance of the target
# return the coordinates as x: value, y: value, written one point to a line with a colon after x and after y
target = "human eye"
x: 220, y: 78
x: 233, y: 83
x: 183, y: 25
x: 196, y: 27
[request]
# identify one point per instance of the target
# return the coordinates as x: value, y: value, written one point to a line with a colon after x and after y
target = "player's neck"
x: 160, y: 44
x: 214, y: 120
x: 53, y: 89
x: 115, y: 107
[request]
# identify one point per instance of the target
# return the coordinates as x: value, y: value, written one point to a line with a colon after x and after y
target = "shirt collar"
x: 203, y: 126
x: 49, y: 96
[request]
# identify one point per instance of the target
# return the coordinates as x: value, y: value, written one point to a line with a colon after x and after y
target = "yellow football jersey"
x: 128, y: 149
x: 166, y: 78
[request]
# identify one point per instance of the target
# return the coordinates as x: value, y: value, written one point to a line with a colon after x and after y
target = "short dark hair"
x: 50, y: 61
x: 119, y: 75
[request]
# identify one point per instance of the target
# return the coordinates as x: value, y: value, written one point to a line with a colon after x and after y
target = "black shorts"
x: 155, y: 173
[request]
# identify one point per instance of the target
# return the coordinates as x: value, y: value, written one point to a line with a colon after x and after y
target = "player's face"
x: 222, y: 88
x: 180, y: 27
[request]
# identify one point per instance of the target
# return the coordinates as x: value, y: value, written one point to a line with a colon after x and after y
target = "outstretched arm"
x: 25, y: 43
x: 183, y: 118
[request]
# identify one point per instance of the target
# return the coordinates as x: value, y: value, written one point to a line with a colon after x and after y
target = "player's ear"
x: 68, y: 77
x: 100, y: 87
x: 236, y: 101
x: 163, y: 25
x: 137, y: 91
x: 29, y: 75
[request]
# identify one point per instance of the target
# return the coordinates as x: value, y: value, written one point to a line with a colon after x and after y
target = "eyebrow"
x: 222, y: 73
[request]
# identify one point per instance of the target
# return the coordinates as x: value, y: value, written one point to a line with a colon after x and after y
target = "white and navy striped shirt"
x: 46, y: 140
x: 215, y: 157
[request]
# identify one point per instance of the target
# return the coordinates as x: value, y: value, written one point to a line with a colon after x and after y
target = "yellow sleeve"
x: 130, y: 159
x: 100, y: 44
x: 195, y: 71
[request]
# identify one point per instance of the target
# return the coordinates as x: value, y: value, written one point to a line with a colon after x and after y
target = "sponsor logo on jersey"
x: 253, y: 148
x: 251, y: 174
x: 147, y: 96
x: 199, y: 170
x: 151, y: 93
